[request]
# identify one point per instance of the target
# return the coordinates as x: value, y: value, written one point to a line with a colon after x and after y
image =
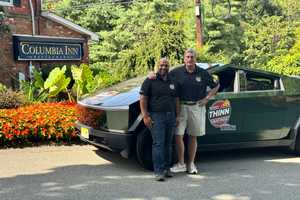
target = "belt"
x: 189, y: 103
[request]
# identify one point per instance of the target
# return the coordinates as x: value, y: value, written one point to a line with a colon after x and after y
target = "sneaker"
x: 192, y: 169
x: 168, y: 173
x: 160, y: 177
x: 178, y: 168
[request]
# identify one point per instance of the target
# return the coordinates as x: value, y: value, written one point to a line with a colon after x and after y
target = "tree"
x: 3, y: 27
x: 249, y: 32
x: 143, y: 34
x: 133, y: 36
x: 270, y: 37
x: 91, y: 14
x: 289, y: 63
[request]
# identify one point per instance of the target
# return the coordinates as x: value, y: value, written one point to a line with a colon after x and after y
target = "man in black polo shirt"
x: 159, y: 104
x: 192, y: 83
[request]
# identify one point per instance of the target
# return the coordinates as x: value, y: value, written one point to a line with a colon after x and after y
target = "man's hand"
x: 148, y: 121
x: 151, y: 76
x: 203, y: 102
x: 177, y: 121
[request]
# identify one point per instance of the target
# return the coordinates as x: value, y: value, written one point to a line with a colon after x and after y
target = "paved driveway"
x: 83, y: 172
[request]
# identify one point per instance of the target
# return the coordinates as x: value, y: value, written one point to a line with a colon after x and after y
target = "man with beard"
x: 159, y: 105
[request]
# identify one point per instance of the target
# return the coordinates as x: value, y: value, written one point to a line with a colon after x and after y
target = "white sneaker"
x: 192, y: 169
x: 178, y: 168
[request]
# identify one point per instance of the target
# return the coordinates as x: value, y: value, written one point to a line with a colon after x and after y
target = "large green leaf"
x: 60, y: 86
x: 57, y: 81
x: 88, y: 78
x: 55, y: 75
x: 38, y: 79
x: 77, y: 76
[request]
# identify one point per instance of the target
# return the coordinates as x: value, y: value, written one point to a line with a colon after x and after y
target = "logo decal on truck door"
x: 219, y: 114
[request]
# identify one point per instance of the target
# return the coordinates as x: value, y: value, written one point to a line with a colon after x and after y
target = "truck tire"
x: 144, y: 149
x: 297, y: 143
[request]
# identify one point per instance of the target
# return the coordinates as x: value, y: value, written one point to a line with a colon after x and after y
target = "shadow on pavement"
x: 233, y: 175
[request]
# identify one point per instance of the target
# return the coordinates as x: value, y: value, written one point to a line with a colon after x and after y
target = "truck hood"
x: 112, y: 99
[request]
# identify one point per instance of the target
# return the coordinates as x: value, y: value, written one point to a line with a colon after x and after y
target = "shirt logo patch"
x: 198, y: 78
x: 172, y: 87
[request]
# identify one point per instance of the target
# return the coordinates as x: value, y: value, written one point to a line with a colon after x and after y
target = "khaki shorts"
x: 191, y: 118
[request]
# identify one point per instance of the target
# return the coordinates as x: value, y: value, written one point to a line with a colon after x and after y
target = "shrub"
x: 38, y: 123
x: 11, y: 99
x: 2, y: 87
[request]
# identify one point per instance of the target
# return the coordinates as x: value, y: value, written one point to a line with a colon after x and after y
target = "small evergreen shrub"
x: 2, y: 88
x: 11, y: 99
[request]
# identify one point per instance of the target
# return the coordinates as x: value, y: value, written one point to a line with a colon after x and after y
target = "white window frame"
x: 4, y: 3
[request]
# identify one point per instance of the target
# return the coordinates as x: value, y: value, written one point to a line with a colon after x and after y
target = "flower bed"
x: 38, y: 123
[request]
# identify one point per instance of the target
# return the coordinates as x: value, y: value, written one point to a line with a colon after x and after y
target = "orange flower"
x: 39, y: 120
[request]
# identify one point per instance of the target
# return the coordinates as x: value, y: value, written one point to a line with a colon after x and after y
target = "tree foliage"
x: 255, y: 33
x: 143, y: 34
x: 270, y: 37
x: 287, y: 63
x: 3, y: 27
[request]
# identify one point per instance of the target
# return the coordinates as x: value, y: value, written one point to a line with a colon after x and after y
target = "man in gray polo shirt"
x: 192, y: 84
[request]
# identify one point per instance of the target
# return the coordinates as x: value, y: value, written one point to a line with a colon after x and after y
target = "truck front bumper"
x: 112, y: 141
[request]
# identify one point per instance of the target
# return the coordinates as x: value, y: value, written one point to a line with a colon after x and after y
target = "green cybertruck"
x: 252, y: 109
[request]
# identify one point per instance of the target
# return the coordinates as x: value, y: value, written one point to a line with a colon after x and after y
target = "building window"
x: 6, y: 2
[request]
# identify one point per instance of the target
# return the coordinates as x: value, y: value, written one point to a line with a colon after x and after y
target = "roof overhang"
x: 69, y: 24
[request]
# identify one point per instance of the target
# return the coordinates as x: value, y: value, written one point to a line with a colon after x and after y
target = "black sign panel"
x: 43, y: 48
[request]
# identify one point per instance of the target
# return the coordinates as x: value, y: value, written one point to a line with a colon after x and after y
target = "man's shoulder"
x: 201, y: 70
x: 177, y: 68
x: 146, y: 81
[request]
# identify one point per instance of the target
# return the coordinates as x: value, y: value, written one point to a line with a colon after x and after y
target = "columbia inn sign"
x: 47, y: 48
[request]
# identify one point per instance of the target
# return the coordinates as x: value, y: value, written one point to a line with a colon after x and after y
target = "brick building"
x: 50, y: 41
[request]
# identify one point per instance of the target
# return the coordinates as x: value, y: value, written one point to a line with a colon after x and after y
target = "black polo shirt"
x: 161, y: 94
x: 192, y: 86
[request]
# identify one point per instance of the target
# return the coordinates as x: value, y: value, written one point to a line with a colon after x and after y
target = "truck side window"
x: 259, y: 82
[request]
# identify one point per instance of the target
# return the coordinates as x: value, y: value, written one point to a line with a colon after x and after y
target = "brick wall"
x: 19, y: 20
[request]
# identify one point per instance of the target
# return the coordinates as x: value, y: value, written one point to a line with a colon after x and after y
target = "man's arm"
x: 177, y: 110
x: 144, y: 110
x: 211, y: 93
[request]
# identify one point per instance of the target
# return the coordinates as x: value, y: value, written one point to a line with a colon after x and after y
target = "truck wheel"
x: 144, y: 149
x: 297, y: 143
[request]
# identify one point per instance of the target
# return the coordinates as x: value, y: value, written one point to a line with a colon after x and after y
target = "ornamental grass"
x: 38, y: 124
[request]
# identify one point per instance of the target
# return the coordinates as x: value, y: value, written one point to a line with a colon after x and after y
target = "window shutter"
x: 17, y: 3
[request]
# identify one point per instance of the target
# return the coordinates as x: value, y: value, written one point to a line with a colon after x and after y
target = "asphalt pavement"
x: 84, y: 172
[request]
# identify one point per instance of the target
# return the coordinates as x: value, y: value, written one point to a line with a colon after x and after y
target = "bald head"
x: 163, y: 66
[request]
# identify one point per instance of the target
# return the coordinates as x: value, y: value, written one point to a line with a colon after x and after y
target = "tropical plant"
x: 84, y: 80
x: 38, y: 90
x: 57, y: 82
x: 34, y: 90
